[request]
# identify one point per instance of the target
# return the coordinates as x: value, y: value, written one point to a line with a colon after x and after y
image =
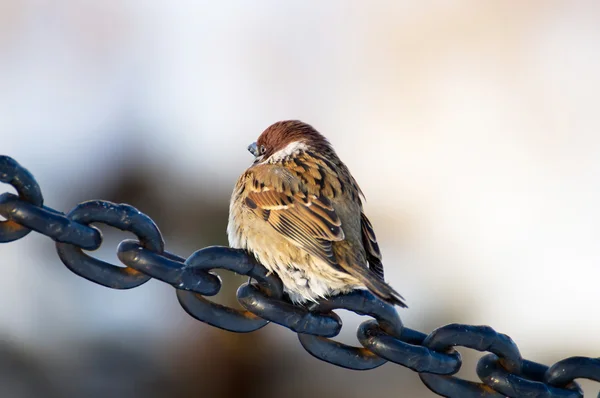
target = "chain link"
x: 503, y: 372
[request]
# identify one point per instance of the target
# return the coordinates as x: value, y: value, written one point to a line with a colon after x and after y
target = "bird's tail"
x: 372, y: 281
x: 377, y: 286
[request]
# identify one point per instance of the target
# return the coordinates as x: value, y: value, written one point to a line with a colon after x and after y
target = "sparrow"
x: 298, y: 211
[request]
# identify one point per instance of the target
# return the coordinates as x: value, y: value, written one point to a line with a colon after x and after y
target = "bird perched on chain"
x: 298, y: 210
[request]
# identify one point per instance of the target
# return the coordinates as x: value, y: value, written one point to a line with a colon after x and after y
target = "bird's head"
x: 286, y: 138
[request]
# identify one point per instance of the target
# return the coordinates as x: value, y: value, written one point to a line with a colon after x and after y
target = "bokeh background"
x: 472, y: 127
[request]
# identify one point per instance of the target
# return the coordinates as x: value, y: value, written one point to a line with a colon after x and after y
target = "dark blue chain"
x: 383, y: 338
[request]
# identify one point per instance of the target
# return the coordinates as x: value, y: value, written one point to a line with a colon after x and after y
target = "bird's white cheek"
x: 292, y: 148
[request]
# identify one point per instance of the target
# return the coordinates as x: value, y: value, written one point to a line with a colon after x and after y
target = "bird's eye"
x: 262, y: 149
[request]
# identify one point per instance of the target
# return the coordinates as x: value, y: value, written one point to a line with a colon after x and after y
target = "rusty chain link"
x: 384, y: 338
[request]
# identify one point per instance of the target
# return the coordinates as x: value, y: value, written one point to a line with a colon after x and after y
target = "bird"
x: 299, y: 212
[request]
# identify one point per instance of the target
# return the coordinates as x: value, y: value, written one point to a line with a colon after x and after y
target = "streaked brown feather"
x: 371, y: 246
x: 308, y: 221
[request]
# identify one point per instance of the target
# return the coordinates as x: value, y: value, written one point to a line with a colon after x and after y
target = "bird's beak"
x: 253, y: 148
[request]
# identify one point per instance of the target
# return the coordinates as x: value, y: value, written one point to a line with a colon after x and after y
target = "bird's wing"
x: 371, y: 246
x: 281, y: 199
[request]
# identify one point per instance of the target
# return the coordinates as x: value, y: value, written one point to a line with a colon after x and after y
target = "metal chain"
x: 384, y: 338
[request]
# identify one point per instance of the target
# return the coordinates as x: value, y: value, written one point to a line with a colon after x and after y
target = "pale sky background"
x: 472, y: 127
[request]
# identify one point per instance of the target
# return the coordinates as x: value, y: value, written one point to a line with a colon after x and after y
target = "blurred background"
x: 472, y: 127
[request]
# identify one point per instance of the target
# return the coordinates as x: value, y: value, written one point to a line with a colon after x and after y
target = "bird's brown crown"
x: 280, y: 134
